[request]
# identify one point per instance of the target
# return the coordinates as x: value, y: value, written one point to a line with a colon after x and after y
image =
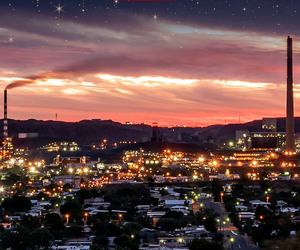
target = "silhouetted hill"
x: 89, y: 132
x: 83, y: 132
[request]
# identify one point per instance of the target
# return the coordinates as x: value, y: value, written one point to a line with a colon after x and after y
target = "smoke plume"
x: 97, y: 65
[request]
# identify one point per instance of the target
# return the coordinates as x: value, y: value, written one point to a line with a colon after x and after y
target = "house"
x: 156, y: 213
x: 241, y: 201
x: 280, y: 204
x: 246, y: 216
x: 241, y: 208
x: 143, y: 207
x: 185, y: 203
x: 69, y: 247
x: 288, y: 210
x: 96, y: 203
x: 180, y: 209
x: 80, y: 242
x: 256, y: 203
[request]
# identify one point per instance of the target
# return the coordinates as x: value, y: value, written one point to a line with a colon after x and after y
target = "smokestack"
x: 5, y: 133
x: 290, y: 140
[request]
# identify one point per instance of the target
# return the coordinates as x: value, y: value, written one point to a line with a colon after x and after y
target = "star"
x: 83, y: 6
x: 10, y: 39
x: 59, y: 8
x: 155, y: 16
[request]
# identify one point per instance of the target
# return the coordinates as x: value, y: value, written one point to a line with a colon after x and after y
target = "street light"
x: 231, y: 241
x: 224, y: 223
x: 222, y: 194
x: 120, y: 216
x: 86, y: 214
x: 67, y: 216
x: 218, y: 220
x: 1, y: 191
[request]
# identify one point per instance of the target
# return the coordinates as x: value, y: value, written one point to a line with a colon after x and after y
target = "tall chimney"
x: 290, y: 139
x: 5, y: 133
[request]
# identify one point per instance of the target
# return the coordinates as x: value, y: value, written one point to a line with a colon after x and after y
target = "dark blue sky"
x: 264, y: 16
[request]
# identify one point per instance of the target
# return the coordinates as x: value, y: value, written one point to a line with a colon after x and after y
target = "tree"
x: 17, y: 204
x: 30, y: 222
x: 42, y: 196
x: 100, y: 243
x: 73, y: 208
x: 16, y: 239
x: 94, y: 193
x: 133, y: 227
x: 145, y: 221
x: 54, y: 222
x: 269, y: 230
x: 11, y: 179
x: 202, y: 244
x: 16, y: 170
x: 207, y: 217
x: 173, y: 214
x: 66, y: 187
x: 75, y: 231
x: 83, y: 194
x: 103, y: 217
x: 124, y: 241
x: 167, y: 223
x: 41, y: 238
x: 291, y: 243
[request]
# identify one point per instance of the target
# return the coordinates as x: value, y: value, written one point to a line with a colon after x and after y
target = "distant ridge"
x: 87, y: 132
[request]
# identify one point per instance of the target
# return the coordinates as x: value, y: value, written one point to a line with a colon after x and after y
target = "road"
x: 238, y: 244
x: 217, y: 207
x: 228, y: 229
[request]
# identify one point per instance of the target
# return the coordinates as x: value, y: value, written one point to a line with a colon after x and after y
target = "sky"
x: 184, y: 62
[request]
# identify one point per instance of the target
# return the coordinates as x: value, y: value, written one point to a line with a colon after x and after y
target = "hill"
x: 88, y: 132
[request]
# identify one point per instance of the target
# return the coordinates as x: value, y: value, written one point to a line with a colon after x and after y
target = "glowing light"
x: 59, y: 8
x: 10, y: 39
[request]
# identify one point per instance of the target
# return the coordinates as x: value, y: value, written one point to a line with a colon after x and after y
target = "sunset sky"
x: 185, y: 62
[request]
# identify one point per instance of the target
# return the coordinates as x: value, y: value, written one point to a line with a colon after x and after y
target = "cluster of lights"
x: 64, y: 146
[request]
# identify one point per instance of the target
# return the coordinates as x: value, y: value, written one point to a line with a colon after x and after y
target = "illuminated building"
x: 7, y: 148
x: 269, y: 125
x: 262, y: 141
x: 241, y: 139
